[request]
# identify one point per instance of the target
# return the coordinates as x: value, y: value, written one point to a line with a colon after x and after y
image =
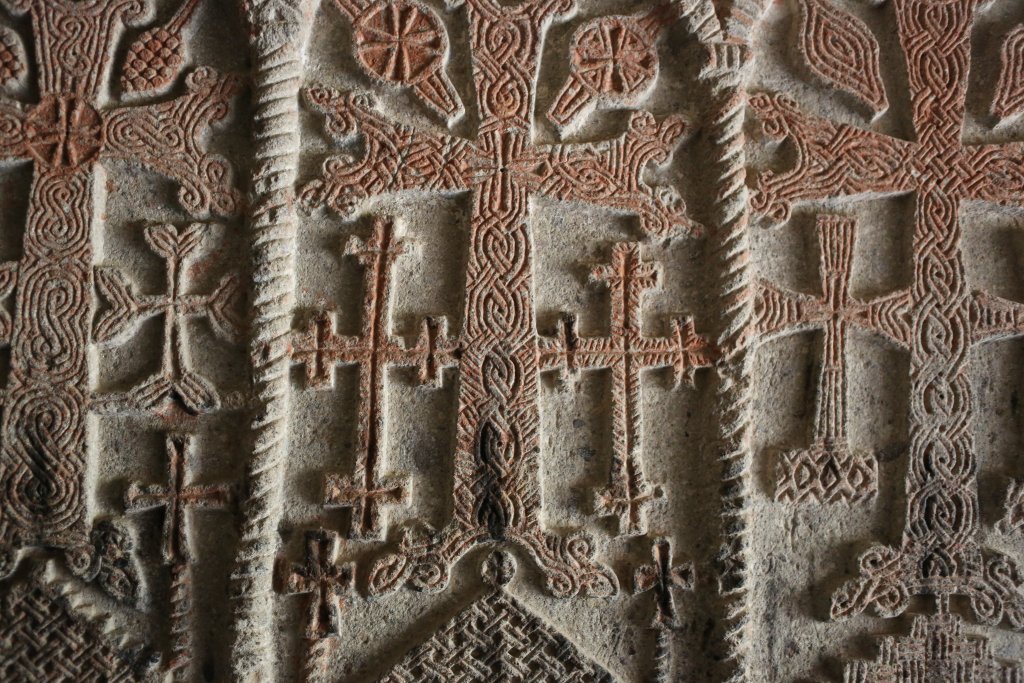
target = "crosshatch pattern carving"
x: 539, y: 340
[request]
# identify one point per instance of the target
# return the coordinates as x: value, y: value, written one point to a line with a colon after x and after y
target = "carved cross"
x: 129, y: 309
x: 828, y: 471
x: 940, y: 552
x: 176, y: 497
x: 320, y: 349
x: 496, y: 491
x: 628, y: 353
x: 661, y: 576
x: 68, y: 134
x: 319, y: 576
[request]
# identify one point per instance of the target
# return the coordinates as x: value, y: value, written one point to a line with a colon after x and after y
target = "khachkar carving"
x: 127, y: 310
x: 940, y: 551
x: 496, y: 636
x: 628, y: 353
x: 68, y: 137
x: 46, y: 638
x: 829, y: 471
x: 320, y: 349
x: 175, y: 498
x: 496, y: 490
x: 328, y: 584
x: 937, y: 649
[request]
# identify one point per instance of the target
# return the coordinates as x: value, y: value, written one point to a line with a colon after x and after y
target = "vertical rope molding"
x: 182, y: 642
x: 279, y: 30
x: 731, y: 245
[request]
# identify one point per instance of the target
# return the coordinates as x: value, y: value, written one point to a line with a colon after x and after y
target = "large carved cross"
x: 940, y: 551
x: 628, y: 353
x: 68, y: 136
x: 373, y: 350
x: 828, y: 471
x: 176, y: 497
x: 496, y: 490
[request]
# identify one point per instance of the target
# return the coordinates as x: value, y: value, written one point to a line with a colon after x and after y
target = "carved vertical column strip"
x: 279, y: 30
x: 731, y: 243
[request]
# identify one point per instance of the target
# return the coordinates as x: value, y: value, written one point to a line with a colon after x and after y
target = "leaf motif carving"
x: 1009, y: 99
x: 840, y: 49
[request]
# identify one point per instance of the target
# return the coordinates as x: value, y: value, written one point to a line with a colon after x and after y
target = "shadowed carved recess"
x: 496, y: 492
x: 940, y: 551
x: 829, y: 471
x: 840, y: 50
x: 68, y: 134
x: 496, y: 633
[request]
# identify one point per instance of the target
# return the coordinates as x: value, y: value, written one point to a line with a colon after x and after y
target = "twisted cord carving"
x: 182, y: 645
x: 731, y: 244
x: 279, y: 32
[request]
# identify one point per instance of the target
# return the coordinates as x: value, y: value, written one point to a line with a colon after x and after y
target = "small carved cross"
x: 828, y: 471
x: 128, y: 310
x: 628, y: 353
x: 176, y: 497
x: 322, y: 578
x: 662, y: 576
x: 319, y: 348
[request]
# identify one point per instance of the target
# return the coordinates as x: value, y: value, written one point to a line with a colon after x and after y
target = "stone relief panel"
x: 526, y: 340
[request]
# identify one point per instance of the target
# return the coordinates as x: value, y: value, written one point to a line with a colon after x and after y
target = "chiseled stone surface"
x: 525, y: 340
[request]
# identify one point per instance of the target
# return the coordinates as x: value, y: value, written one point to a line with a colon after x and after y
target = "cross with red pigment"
x: 320, y: 349
x: 176, y: 497
x: 828, y: 471
x: 628, y: 353
x: 661, y: 576
x: 496, y: 492
x: 320, y: 577
x: 940, y: 552
x: 68, y: 136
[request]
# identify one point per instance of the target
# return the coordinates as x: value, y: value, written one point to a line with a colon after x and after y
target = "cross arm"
x: 319, y: 348
x: 832, y: 160
x: 396, y: 157
x: 140, y: 497
x: 13, y: 134
x: 611, y: 174
x: 167, y: 137
x: 994, y: 318
x: 1000, y: 173
x: 888, y: 316
x: 778, y: 311
x: 567, y: 352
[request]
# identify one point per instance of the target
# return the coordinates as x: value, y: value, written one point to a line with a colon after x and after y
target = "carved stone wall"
x: 511, y: 340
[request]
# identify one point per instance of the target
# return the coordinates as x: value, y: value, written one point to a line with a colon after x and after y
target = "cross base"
x: 826, y: 473
x: 889, y: 576
x: 425, y: 559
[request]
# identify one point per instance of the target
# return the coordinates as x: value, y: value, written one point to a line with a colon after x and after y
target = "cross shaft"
x: 176, y: 497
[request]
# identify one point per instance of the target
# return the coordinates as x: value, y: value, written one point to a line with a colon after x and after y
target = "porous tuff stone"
x: 525, y: 340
